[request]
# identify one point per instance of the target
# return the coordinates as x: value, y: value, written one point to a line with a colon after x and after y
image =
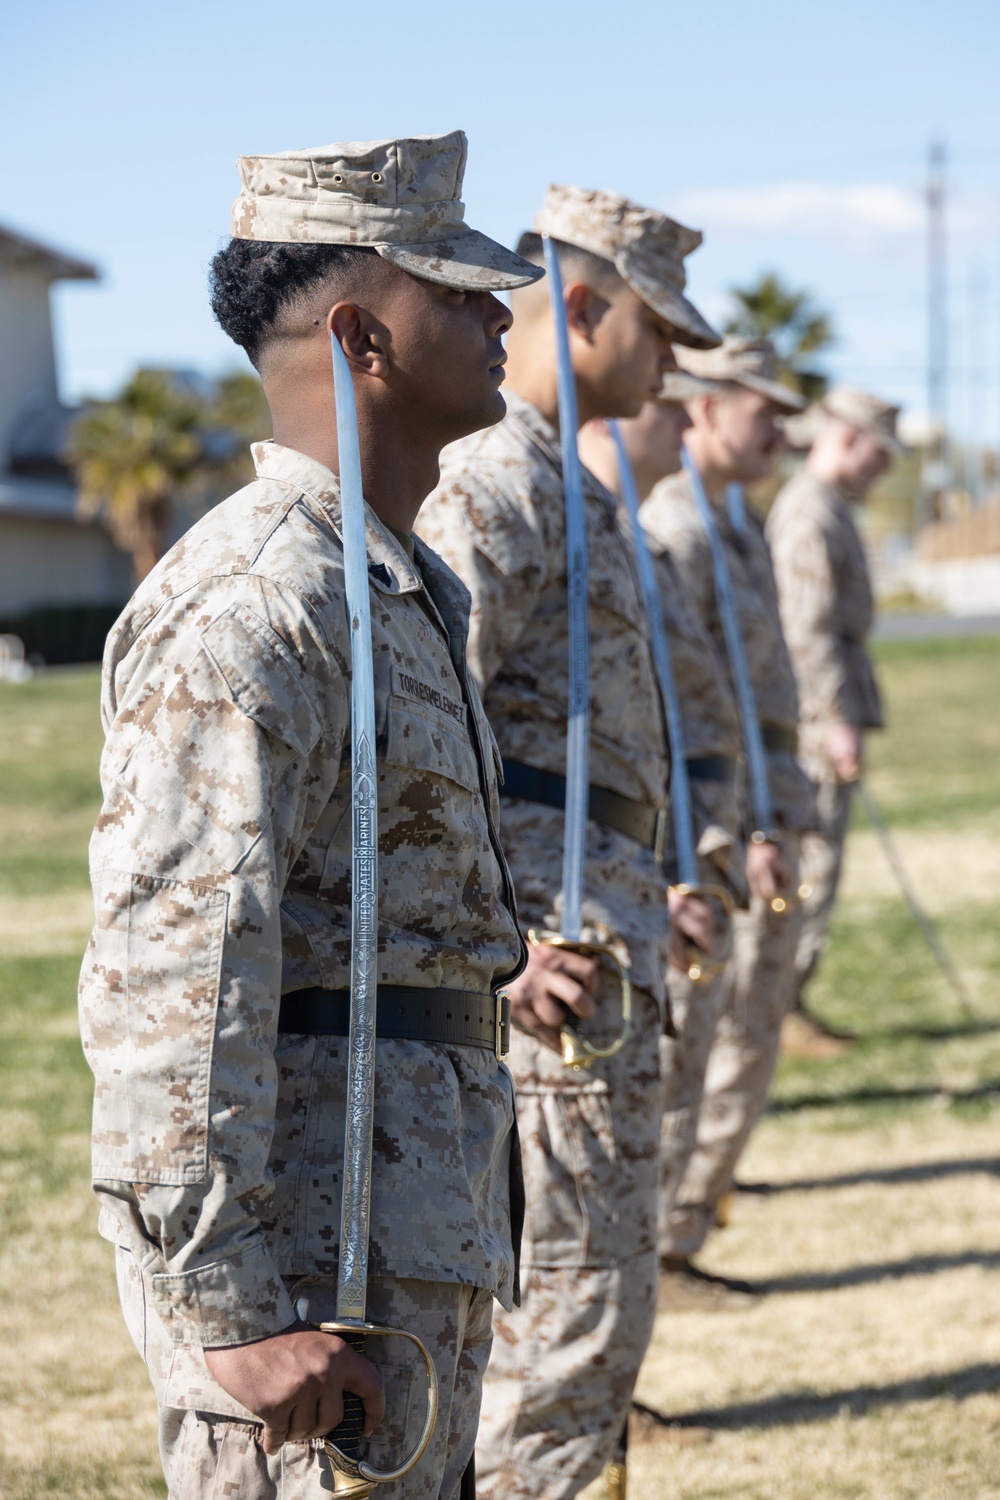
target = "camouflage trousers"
x: 822, y: 862
x: 696, y: 1009
x: 564, y: 1365
x: 210, y: 1446
x: 759, y: 988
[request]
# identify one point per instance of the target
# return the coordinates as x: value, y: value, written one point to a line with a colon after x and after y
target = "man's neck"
x: 824, y: 466
x: 533, y: 373
x: 398, y: 473
x: 715, y: 475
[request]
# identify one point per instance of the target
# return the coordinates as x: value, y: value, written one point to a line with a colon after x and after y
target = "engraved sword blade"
x: 753, y: 740
x: 355, y: 1212
x: 578, y: 708
x: 680, y: 787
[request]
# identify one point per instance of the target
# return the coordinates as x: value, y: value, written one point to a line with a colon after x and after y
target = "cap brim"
x: 470, y: 262
x: 690, y: 328
x: 788, y: 401
x: 679, y: 386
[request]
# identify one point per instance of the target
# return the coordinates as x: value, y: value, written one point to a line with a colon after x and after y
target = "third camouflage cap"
x: 751, y: 363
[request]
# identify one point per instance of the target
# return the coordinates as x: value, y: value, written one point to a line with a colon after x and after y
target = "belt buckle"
x: 501, y: 1026
x: 660, y: 833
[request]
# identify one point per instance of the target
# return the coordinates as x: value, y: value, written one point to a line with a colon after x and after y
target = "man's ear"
x: 584, y: 309
x: 362, y: 337
x: 704, y: 408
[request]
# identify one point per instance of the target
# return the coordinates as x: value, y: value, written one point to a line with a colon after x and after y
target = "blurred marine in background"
x: 734, y: 440
x: 696, y: 982
x: 826, y: 604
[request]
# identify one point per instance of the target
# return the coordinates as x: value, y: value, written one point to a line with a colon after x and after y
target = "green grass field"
x: 872, y: 1369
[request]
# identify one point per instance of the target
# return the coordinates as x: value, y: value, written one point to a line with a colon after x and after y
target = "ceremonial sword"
x: 700, y: 969
x: 353, y: 1476
x: 753, y: 740
x: 578, y: 1052
x: 928, y: 930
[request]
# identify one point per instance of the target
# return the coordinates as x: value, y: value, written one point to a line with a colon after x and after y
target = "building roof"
x: 19, y: 249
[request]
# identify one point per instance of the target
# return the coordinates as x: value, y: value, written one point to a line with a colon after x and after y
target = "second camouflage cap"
x: 646, y: 248
x: 751, y: 363
x: 402, y: 197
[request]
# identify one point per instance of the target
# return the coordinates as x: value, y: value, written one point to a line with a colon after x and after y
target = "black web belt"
x: 636, y: 820
x: 407, y: 1013
x: 777, y: 738
x: 712, y: 768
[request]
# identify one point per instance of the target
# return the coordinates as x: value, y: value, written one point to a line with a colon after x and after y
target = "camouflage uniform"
x: 758, y: 981
x: 558, y: 1387
x: 221, y: 870
x: 826, y: 612
x: 221, y: 867
x: 711, y: 731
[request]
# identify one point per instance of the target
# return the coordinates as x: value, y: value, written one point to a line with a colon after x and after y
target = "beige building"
x: 48, y: 556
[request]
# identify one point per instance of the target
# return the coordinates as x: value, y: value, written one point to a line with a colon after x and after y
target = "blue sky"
x: 794, y: 135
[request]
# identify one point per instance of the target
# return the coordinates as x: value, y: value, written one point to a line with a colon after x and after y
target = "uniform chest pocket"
x: 422, y: 740
x: 612, y: 583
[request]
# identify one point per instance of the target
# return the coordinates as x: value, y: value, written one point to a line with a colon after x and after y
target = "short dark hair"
x: 574, y: 263
x: 252, y: 281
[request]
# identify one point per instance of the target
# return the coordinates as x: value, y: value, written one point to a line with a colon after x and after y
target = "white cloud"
x: 849, y: 210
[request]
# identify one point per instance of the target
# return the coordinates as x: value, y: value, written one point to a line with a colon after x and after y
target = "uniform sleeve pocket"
x: 152, y: 1101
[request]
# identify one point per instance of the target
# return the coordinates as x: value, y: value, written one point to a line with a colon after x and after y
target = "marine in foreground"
x: 214, y: 995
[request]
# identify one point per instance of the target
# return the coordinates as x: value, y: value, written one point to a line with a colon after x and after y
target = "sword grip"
x: 349, y: 1431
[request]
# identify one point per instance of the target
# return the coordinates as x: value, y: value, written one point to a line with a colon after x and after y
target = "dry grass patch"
x: 870, y: 1371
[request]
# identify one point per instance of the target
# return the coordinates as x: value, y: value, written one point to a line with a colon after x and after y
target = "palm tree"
x: 792, y: 320
x: 134, y: 454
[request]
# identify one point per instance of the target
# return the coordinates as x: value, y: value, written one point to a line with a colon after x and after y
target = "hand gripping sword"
x: 577, y: 1052
x: 753, y: 740
x: 352, y: 1475
x: 700, y: 968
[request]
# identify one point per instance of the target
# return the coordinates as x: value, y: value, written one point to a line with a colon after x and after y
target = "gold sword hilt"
x: 353, y: 1476
x: 786, y: 901
x: 577, y: 1051
x: 704, y: 967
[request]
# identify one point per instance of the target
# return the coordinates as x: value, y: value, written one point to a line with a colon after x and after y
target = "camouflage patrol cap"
x: 401, y: 197
x: 679, y: 386
x: 646, y: 248
x: 751, y: 363
x: 866, y: 412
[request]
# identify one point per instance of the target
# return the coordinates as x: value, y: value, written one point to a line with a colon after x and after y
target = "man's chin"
x: 487, y: 413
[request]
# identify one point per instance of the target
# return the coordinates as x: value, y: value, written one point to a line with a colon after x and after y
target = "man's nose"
x: 498, y: 317
x: 668, y: 361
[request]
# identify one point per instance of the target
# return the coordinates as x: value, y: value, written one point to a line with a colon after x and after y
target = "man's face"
x: 653, y: 439
x: 746, y: 433
x: 629, y: 355
x: 446, y: 357
x: 864, y: 460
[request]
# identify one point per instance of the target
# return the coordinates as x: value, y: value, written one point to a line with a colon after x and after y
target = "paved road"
x: 920, y: 627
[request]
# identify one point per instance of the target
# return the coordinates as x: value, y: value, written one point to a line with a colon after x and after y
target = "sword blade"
x: 753, y: 740
x: 928, y: 930
x: 355, y: 1211
x: 578, y: 707
x: 681, y: 815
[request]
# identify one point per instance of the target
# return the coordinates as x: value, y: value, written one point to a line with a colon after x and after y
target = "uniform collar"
x: 545, y: 437
x: 389, y: 568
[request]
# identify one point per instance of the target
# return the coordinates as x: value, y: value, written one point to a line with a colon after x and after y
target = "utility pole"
x: 936, y: 473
